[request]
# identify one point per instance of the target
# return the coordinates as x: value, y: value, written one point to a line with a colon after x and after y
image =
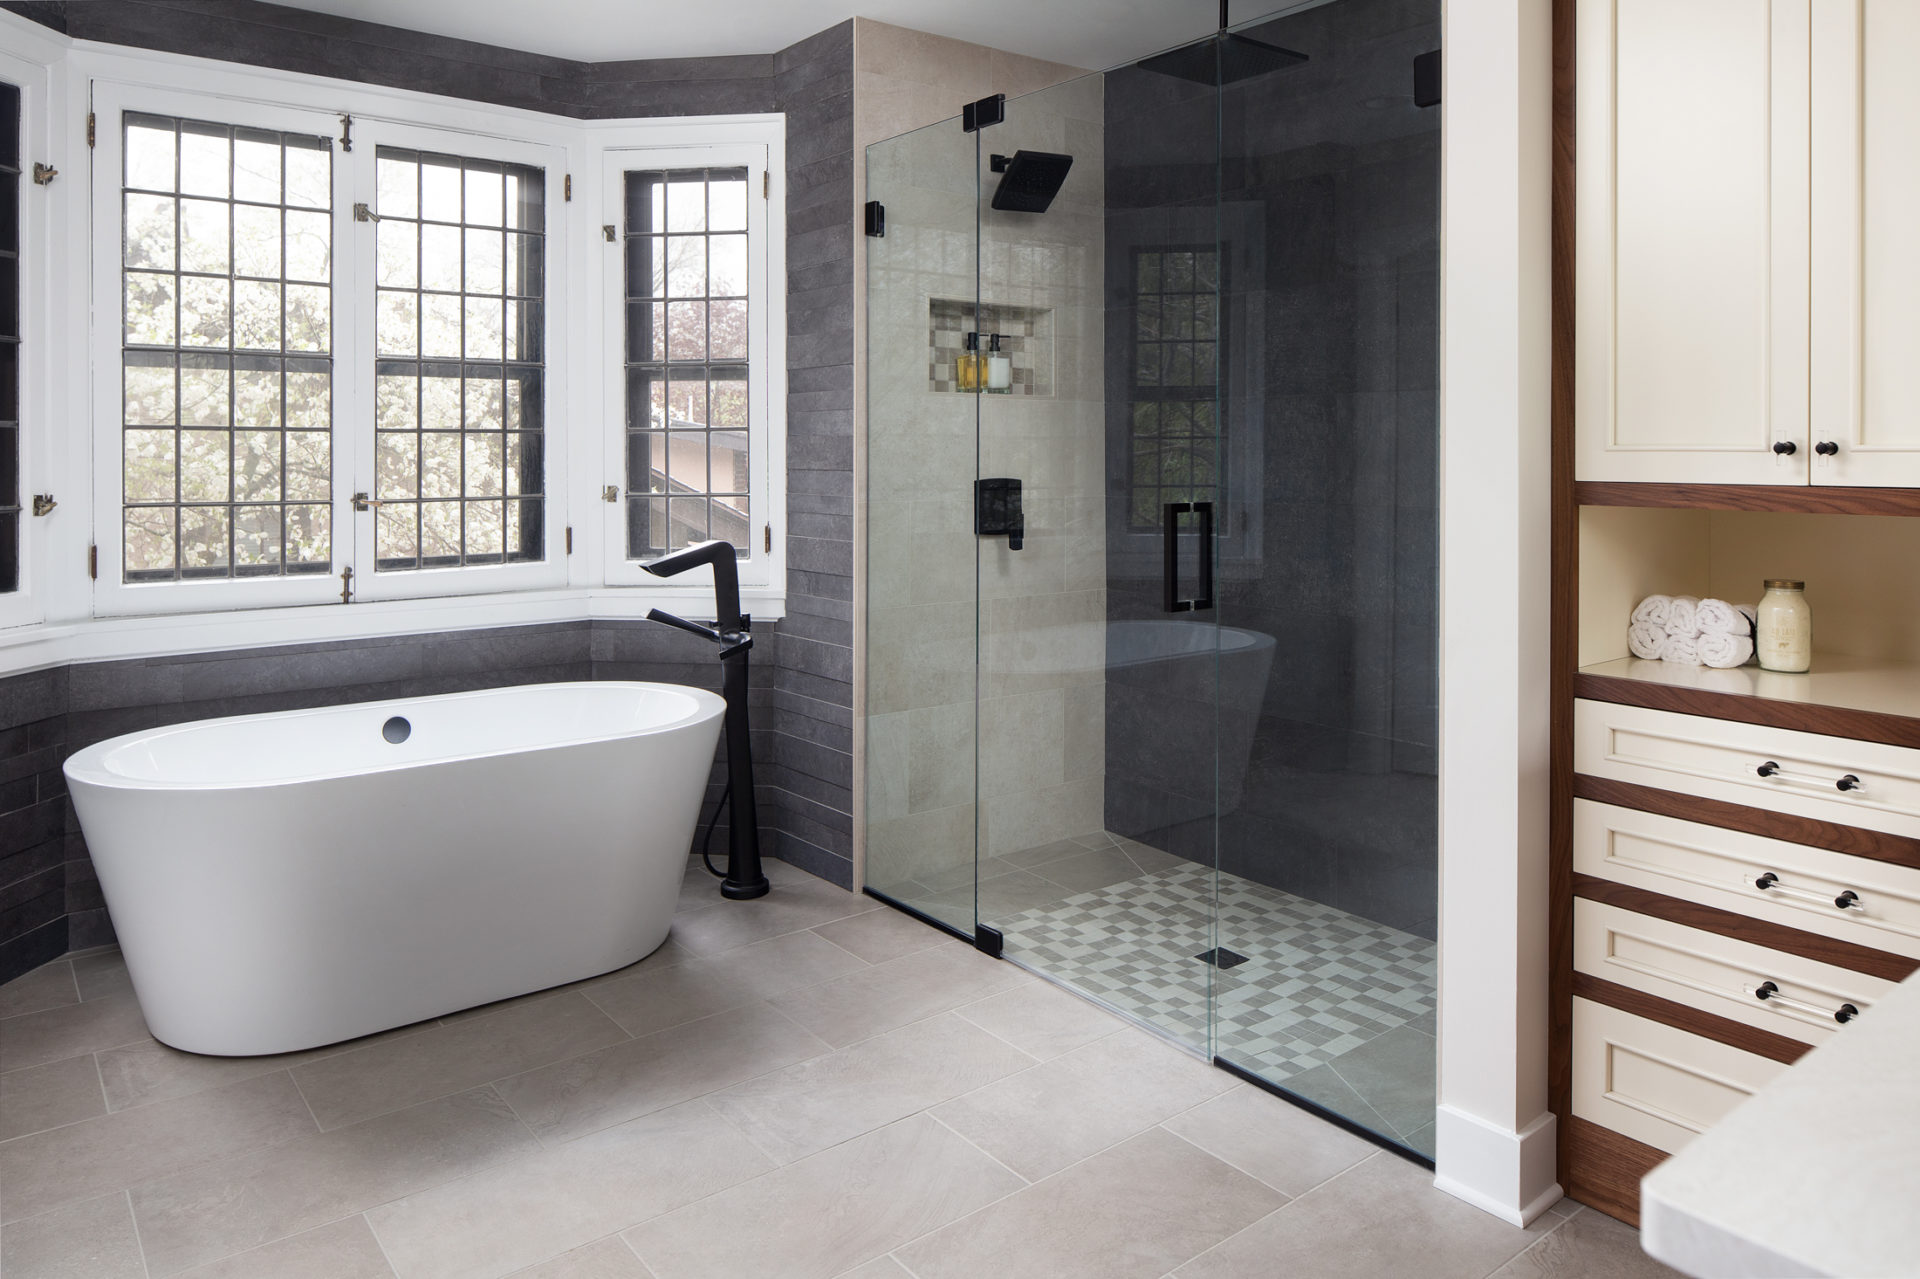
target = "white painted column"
x: 1495, y: 1136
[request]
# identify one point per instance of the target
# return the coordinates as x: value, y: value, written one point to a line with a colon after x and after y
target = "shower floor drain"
x: 1220, y: 957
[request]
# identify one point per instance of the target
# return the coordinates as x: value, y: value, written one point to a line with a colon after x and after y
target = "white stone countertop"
x: 1817, y: 1174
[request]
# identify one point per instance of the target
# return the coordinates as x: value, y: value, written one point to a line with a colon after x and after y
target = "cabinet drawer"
x: 1717, y: 867
x: 1722, y: 759
x: 1653, y: 1083
x: 1719, y: 974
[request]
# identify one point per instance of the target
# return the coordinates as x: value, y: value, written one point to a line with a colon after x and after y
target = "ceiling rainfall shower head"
x: 1029, y: 180
x: 1222, y: 58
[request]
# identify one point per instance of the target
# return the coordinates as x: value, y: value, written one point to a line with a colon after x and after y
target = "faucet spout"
x: 726, y: 577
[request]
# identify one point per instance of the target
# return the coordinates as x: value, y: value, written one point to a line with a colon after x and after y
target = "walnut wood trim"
x: 1804, y: 499
x: 1735, y: 1034
x: 1563, y: 591
x: 1604, y: 1168
x: 1760, y: 932
x: 1874, y: 845
x: 1803, y: 717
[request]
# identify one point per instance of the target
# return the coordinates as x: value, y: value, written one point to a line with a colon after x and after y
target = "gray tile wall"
x: 804, y: 664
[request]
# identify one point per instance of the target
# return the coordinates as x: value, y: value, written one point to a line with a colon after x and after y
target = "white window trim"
x: 760, y: 147
x: 62, y: 624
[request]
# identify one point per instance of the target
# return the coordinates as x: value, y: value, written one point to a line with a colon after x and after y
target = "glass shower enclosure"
x: 1151, y: 492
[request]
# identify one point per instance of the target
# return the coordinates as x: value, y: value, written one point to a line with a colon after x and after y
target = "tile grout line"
x: 375, y: 1236
x: 1221, y: 1243
x: 1024, y: 1182
x: 139, y: 1245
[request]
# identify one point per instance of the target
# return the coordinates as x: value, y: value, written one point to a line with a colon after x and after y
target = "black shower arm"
x: 726, y: 577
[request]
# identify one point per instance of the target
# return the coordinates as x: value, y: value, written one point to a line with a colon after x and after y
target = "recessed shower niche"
x: 1026, y: 339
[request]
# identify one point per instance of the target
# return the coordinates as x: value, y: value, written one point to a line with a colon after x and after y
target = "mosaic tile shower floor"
x: 1335, y: 1007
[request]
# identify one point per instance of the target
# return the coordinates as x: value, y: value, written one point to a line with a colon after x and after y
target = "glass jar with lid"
x: 1783, y: 632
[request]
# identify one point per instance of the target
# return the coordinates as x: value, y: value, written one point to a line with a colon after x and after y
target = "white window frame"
x: 26, y: 604
x: 758, y: 145
x: 468, y: 579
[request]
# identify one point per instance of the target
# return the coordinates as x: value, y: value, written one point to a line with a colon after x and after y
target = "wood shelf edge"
x: 1804, y: 717
x: 1791, y: 499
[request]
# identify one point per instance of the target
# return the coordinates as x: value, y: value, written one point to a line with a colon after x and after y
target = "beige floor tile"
x: 807, y: 1107
x: 343, y: 1249
x: 787, y: 909
x: 608, y: 1259
x: 446, y: 1059
x: 33, y: 1039
x: 48, y: 986
x: 1028, y: 858
x: 1381, y: 1217
x: 878, y: 1268
x: 880, y: 935
x: 113, y: 1152
x: 1041, y: 1019
x: 91, y: 1239
x: 1281, y: 1144
x: 785, y: 963
x: 1131, y: 1212
x: 1094, y: 869
x: 645, y: 1002
x: 1589, y: 1245
x: 103, y: 972
x: 228, y: 1206
x: 877, y: 999
x: 1039, y: 1121
x: 134, y: 1074
x: 41, y: 1097
x: 573, y: 1098
x: 550, y: 1201
x: 826, y: 1214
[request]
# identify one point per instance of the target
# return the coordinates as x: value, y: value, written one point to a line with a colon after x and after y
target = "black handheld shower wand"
x: 732, y: 630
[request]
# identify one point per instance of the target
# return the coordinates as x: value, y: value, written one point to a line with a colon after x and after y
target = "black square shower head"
x: 1225, y: 59
x: 1029, y: 180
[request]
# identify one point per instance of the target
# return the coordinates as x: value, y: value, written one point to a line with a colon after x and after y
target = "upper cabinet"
x: 1865, y: 404
x: 1693, y: 241
x: 1748, y: 266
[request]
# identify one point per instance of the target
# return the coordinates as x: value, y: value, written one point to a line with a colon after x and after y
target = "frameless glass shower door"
x: 1151, y: 495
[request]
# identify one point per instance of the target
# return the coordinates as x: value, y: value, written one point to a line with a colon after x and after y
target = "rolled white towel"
x: 1645, y: 640
x: 1681, y: 649
x: 1652, y: 610
x: 1683, y: 616
x: 1723, y: 651
x: 1717, y: 617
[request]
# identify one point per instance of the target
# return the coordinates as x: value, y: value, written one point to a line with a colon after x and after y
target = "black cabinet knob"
x: 1849, y: 782
x: 1785, y: 448
x: 1826, y: 448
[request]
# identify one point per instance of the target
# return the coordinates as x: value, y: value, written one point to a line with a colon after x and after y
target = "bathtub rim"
x: 87, y: 766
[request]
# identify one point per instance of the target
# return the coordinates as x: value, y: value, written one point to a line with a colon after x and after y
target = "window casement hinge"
x: 90, y: 133
x: 611, y: 493
x: 608, y: 231
x: 346, y: 132
x: 93, y: 562
x: 569, y: 188
x: 569, y: 539
x: 766, y: 184
x: 767, y: 540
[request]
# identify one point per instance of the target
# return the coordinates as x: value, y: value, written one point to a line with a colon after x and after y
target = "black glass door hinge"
x: 876, y: 219
x: 1426, y: 79
x: 988, y: 940
x: 989, y: 110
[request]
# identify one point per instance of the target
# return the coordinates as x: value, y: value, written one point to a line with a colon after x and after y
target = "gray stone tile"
x: 548, y: 1202
x: 1380, y: 1217
x: 41, y: 1097
x: 230, y: 1205
x: 1132, y: 1212
x: 573, y: 1098
x: 786, y: 910
x: 884, y: 996
x: 607, y: 1259
x: 90, y: 1239
x: 112, y: 1152
x: 880, y: 935
x: 1394, y: 1074
x: 48, y: 986
x: 1096, y: 868
x: 102, y: 973
x: 1041, y: 1019
x: 32, y: 1039
x: 1266, y: 1137
x: 444, y: 1059
x: 1040, y: 1120
x: 344, y: 1249
x: 828, y: 1213
x: 1588, y: 1245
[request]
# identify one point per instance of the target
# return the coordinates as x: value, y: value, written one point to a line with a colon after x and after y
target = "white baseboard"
x: 1508, y: 1174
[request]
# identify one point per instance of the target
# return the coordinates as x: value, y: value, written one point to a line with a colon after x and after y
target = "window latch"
x: 43, y: 504
x: 361, y: 502
x: 611, y: 493
x: 43, y: 174
x: 361, y: 213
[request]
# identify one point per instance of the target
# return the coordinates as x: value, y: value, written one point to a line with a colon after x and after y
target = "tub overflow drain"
x: 396, y: 730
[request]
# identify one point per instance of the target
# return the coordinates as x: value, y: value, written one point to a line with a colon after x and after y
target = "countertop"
x: 1817, y: 1174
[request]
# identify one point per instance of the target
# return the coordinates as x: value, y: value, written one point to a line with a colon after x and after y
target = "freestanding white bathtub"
x: 288, y: 880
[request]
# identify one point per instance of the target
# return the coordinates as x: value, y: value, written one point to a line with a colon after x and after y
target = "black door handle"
x: 1170, y: 573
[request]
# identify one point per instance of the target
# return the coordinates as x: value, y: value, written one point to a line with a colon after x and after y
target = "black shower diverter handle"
x: 997, y: 512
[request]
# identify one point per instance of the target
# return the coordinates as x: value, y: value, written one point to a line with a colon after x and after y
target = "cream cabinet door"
x: 1865, y: 420
x: 1692, y: 226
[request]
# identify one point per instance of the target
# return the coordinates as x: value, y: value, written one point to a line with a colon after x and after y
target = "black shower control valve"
x: 1826, y: 448
x: 997, y: 513
x: 1785, y: 448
